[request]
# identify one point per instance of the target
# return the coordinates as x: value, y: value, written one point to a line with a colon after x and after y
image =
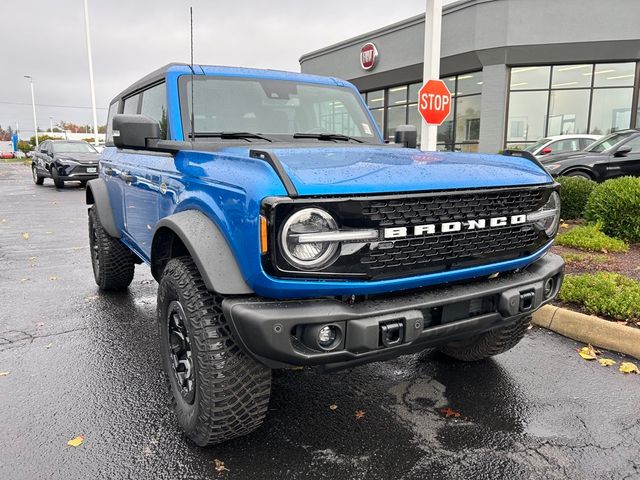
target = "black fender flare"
x: 97, y: 194
x: 206, y: 245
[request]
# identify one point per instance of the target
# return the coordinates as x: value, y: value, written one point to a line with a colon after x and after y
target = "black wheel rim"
x: 94, y: 245
x: 180, y: 355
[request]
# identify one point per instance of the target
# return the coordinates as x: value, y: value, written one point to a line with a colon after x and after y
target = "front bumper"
x: 77, y: 171
x: 269, y: 330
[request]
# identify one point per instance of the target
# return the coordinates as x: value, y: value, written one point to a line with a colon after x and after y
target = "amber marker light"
x: 264, y: 247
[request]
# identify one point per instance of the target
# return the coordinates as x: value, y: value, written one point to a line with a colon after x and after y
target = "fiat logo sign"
x: 368, y: 56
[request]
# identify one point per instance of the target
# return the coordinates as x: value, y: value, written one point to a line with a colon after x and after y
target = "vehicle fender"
x: 207, y: 246
x: 97, y: 194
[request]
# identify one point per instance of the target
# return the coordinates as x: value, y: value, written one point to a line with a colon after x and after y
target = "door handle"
x: 127, y: 177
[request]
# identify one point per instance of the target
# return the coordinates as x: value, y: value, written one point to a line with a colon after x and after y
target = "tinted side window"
x: 569, y: 145
x: 154, y: 105
x: 131, y: 104
x: 585, y: 142
x: 634, y: 144
x: 113, y: 109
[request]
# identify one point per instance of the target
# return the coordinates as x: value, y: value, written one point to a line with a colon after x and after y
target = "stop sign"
x: 434, y: 102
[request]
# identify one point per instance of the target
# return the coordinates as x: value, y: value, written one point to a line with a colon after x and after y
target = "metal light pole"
x: 431, y: 69
x: 51, y: 124
x: 93, y: 91
x: 33, y: 104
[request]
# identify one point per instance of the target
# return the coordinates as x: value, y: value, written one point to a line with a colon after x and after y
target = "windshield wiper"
x: 326, y: 136
x: 228, y: 135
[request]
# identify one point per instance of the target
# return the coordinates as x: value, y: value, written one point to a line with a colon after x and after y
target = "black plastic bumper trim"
x: 264, y: 327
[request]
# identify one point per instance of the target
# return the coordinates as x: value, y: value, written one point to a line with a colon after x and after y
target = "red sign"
x: 368, y: 56
x: 434, y: 102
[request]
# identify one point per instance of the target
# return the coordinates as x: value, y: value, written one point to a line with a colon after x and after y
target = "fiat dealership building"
x: 518, y: 70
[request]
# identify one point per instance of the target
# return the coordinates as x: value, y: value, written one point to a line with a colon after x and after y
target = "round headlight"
x: 548, y: 217
x: 303, y: 254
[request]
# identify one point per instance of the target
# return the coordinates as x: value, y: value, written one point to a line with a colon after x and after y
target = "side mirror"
x: 622, y: 151
x: 407, y: 135
x: 133, y: 131
x: 545, y: 151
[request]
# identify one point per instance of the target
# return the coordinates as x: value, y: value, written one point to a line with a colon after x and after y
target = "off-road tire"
x: 37, y: 179
x: 113, y: 263
x: 489, y: 343
x: 231, y: 391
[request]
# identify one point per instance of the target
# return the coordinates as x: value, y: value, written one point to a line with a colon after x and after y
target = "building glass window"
x: 569, y: 99
x: 527, y: 78
x: 397, y: 95
x: 527, y: 113
x: 610, y: 110
x: 568, y: 112
x: 614, y: 75
x: 398, y: 105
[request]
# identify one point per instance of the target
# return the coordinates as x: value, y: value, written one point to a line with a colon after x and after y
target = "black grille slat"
x: 450, y: 249
x: 452, y: 207
x: 410, y: 256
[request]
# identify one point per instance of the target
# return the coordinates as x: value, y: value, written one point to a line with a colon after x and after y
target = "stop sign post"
x: 434, y: 102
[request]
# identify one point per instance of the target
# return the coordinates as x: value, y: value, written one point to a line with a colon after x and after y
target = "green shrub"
x: 571, y: 257
x: 591, y: 238
x: 574, y: 193
x: 616, y: 205
x: 603, y: 293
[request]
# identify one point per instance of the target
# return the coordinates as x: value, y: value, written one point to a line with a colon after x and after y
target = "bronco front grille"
x: 410, y: 256
x: 451, y: 207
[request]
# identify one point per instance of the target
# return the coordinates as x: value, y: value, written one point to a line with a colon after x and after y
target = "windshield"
x: 537, y: 145
x: 607, y: 142
x: 273, y: 107
x: 73, y: 147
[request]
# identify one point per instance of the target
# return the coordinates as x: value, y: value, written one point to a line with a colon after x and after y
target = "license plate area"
x: 92, y: 169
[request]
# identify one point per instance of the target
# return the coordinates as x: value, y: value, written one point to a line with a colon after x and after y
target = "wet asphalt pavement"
x: 84, y: 362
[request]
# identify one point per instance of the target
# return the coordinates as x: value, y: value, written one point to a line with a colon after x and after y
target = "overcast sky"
x: 46, y: 39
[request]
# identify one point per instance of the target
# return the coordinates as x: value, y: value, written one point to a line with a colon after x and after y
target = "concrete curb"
x: 589, y: 329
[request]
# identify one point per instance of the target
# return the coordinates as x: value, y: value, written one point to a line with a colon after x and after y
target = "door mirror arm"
x: 622, y: 151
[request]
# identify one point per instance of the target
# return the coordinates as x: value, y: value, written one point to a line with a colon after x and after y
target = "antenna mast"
x: 192, y: 78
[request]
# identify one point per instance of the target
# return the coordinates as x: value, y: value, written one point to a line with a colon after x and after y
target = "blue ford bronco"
x: 284, y: 232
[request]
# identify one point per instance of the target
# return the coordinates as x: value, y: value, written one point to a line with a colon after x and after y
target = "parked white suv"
x: 561, y: 144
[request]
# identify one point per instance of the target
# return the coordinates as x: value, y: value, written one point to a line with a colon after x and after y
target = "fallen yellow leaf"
x: 360, y: 414
x: 48, y: 345
x: 629, y: 367
x: 25, y: 235
x: 333, y: 407
x: 588, y: 352
x: 564, y: 225
x: 219, y: 466
x: 449, y: 412
x: 606, y: 362
x: 4, y: 374
x: 53, y: 277
x: 76, y: 442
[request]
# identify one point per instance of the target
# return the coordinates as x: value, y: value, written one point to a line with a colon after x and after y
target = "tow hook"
x: 391, y: 333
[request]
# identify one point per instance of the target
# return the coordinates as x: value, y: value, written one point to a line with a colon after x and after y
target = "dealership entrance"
x: 518, y: 71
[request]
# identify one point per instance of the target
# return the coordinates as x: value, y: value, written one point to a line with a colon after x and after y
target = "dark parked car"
x: 615, y: 155
x: 64, y: 160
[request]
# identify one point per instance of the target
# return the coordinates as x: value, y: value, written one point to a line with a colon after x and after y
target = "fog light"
x: 549, y: 285
x: 324, y: 337
x: 327, y: 335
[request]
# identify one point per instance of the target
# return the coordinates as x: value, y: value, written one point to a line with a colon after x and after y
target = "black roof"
x: 152, y: 77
